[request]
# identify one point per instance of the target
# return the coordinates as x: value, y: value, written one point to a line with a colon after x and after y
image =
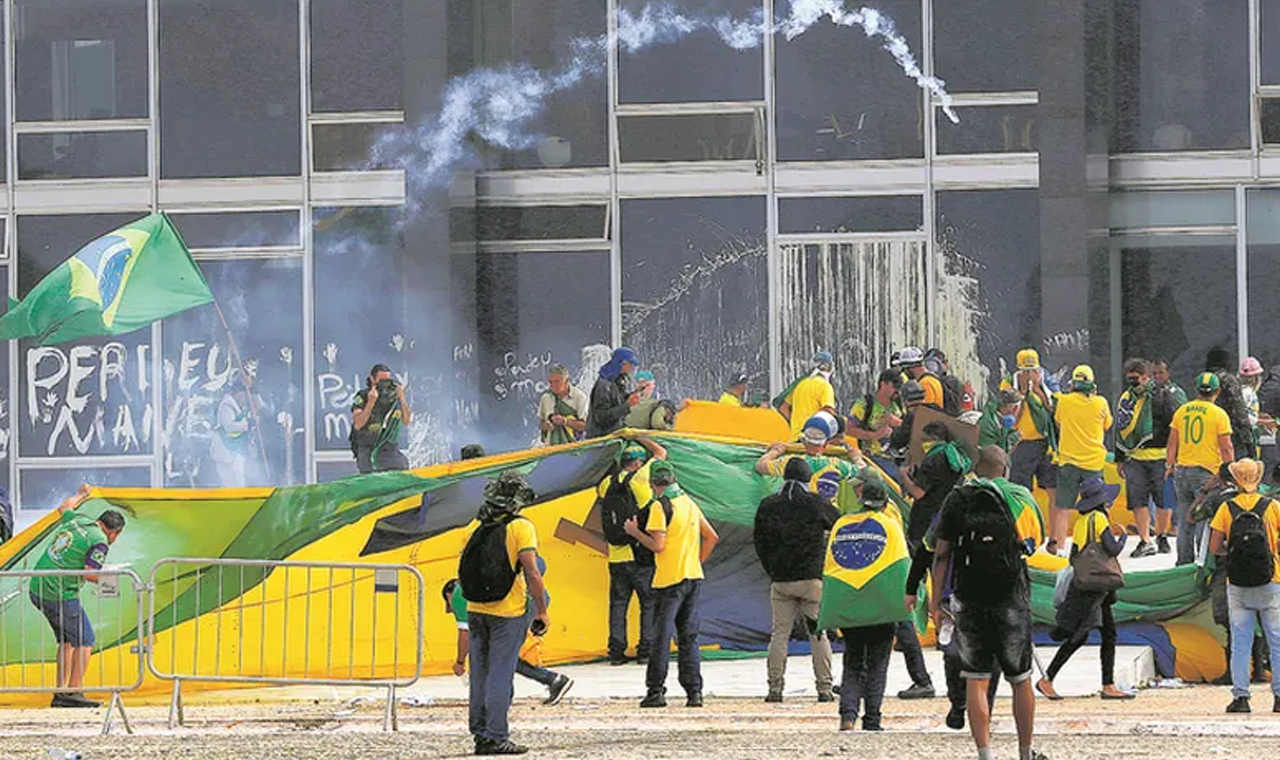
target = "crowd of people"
x: 952, y: 487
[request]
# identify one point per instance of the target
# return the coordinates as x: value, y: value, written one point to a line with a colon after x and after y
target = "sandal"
x: 1045, y: 687
x: 1117, y: 694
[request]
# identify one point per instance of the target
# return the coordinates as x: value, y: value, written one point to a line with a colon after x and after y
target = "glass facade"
x: 366, y: 183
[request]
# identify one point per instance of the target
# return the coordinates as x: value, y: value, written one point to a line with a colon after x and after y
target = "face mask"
x: 1008, y: 421
x: 928, y: 445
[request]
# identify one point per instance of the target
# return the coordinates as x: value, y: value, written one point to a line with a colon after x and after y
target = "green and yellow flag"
x: 118, y: 283
x: 866, y: 571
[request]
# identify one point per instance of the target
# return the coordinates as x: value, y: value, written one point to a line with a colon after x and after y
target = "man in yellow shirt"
x: 912, y: 360
x: 736, y: 393
x: 630, y: 565
x: 1253, y: 575
x: 1031, y: 461
x: 504, y: 545
x: 681, y: 539
x: 1199, y: 443
x: 811, y: 395
x: 1083, y: 419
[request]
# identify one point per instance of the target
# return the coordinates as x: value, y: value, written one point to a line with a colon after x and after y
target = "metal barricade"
x: 32, y: 660
x: 285, y: 623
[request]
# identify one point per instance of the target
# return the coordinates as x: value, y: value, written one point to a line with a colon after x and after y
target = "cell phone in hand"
x: 538, y: 627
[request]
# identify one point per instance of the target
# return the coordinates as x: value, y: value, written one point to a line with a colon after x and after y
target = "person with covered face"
x: 614, y: 394
x: 378, y: 412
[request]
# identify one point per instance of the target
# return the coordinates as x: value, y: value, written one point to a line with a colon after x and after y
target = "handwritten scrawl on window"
x: 82, y: 395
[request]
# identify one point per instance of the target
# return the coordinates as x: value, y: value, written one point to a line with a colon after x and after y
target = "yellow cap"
x: 1082, y: 374
x: 1028, y: 358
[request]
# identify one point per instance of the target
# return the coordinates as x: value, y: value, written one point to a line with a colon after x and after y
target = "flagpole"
x: 253, y: 403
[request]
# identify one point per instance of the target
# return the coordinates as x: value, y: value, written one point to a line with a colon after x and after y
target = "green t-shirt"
x: 78, y: 543
x: 458, y: 605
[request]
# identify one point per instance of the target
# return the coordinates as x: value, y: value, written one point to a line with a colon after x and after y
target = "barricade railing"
x: 284, y: 623
x: 32, y: 661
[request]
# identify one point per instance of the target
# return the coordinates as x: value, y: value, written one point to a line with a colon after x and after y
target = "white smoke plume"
x: 498, y: 105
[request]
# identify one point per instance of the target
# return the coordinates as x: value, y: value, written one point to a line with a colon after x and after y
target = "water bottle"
x: 945, y: 631
x: 57, y: 753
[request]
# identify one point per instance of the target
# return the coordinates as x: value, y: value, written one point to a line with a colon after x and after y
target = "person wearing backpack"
x: 912, y: 359
x: 873, y: 418
x: 1244, y: 533
x: 621, y: 496
x: 789, y: 531
x: 681, y: 539
x: 979, y: 542
x: 1087, y: 607
x: 499, y: 576
x: 953, y: 393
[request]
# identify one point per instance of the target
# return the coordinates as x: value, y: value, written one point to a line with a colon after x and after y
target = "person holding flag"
x: 808, y: 395
x: 865, y: 569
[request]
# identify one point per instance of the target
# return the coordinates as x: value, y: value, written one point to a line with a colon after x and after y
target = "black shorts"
x: 994, y: 636
x: 1033, y: 459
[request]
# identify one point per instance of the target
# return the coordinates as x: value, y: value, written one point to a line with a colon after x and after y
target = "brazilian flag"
x: 118, y: 283
x: 866, y: 571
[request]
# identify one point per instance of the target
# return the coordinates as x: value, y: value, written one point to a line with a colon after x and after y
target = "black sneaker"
x: 835, y: 689
x: 775, y: 697
x: 73, y: 699
x: 654, y: 699
x: 825, y: 697
x: 1239, y: 705
x: 482, y: 746
x: 1275, y: 706
x: 1143, y: 549
x: 617, y: 661
x: 501, y: 748
x: 1037, y: 755
x: 955, y: 718
x: 918, y: 691
x: 871, y: 724
x: 694, y: 700
x: 1162, y: 544
x: 559, y: 688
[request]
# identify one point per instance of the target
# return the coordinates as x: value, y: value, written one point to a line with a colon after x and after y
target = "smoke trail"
x: 497, y: 105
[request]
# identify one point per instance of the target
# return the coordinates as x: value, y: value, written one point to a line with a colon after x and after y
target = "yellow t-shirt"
x: 1222, y: 522
x: 728, y: 399
x: 681, y: 558
x: 1198, y: 425
x: 521, y: 537
x: 1025, y: 424
x: 1083, y: 421
x: 643, y: 493
x: 932, y: 390
x: 1096, y: 523
x: 807, y: 399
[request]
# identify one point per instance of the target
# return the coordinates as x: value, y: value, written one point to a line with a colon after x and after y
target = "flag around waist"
x: 865, y: 573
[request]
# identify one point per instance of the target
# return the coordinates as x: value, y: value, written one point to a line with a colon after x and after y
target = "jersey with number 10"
x: 1198, y: 426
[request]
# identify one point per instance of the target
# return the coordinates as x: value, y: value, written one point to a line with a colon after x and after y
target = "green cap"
x: 1207, y: 382
x: 661, y: 473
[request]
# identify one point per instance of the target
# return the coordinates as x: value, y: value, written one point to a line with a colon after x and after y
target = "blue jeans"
x: 866, y: 667
x: 1248, y: 605
x: 495, y: 651
x: 1187, y: 482
x: 535, y: 673
x: 625, y: 579
x: 677, y: 616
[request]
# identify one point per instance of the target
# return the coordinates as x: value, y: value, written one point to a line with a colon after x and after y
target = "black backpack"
x: 952, y: 395
x: 617, y: 505
x: 988, y: 553
x: 485, y: 571
x: 1250, y: 562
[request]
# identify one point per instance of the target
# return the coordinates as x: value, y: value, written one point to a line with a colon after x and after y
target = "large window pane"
x: 81, y: 59
x: 571, y: 130
x: 702, y: 137
x: 870, y: 213
x: 1178, y: 208
x: 206, y: 441
x: 990, y: 129
x: 1181, y: 75
x: 358, y: 254
x: 241, y: 229
x: 6, y: 403
x: 229, y: 98
x: 1178, y: 299
x: 44, y: 489
x: 534, y: 310
x: 986, y: 45
x: 841, y: 96
x: 698, y: 67
x: 356, y: 55
x: 1270, y: 33
x: 695, y: 291
x: 84, y: 397
x: 1264, y: 271
x: 989, y: 244
x: 82, y: 155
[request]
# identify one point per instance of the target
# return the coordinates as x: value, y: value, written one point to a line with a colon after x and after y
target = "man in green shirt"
x: 78, y: 543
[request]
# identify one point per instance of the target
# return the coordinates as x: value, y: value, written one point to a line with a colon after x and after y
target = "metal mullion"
x: 355, y: 117
x: 678, y: 109
x: 1009, y: 98
x: 1255, y: 81
x: 242, y: 255
x: 98, y: 461
x: 84, y: 125
x: 930, y: 150
x: 11, y: 173
x: 308, y: 259
x: 544, y: 246
x: 847, y: 237
x: 773, y: 260
x: 1242, y: 272
x: 615, y: 162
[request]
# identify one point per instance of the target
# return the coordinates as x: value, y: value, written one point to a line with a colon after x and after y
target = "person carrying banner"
x: 808, y: 395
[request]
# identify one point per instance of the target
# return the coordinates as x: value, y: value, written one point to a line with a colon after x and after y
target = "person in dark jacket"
x: 613, y: 395
x: 1082, y: 611
x: 790, y: 539
x: 1231, y: 400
